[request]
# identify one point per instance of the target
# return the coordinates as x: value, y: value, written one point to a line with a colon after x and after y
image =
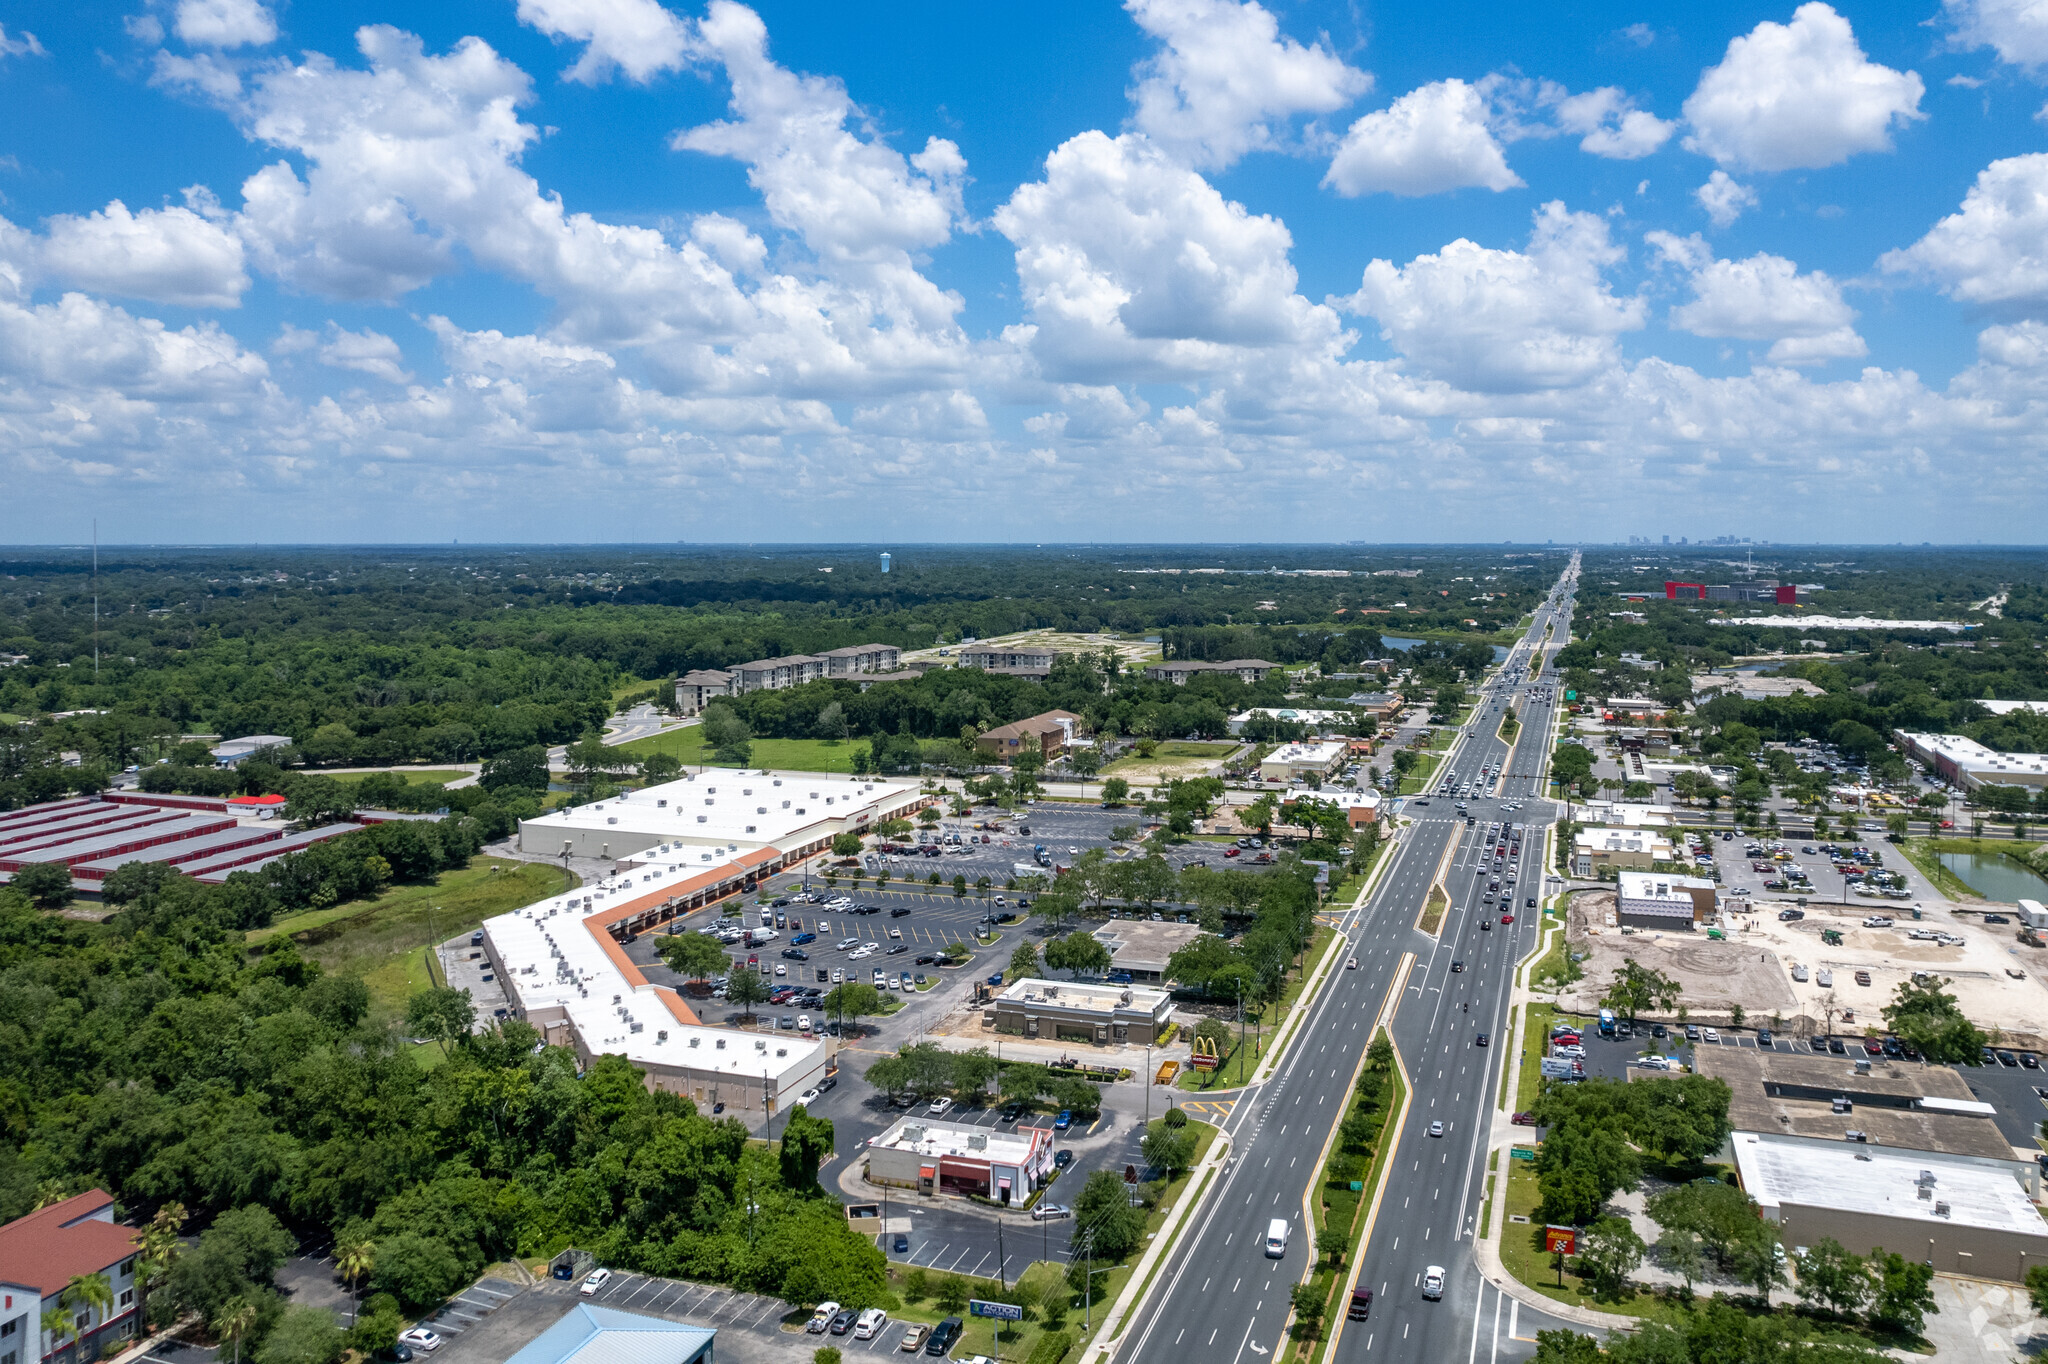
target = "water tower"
x: 885, y: 563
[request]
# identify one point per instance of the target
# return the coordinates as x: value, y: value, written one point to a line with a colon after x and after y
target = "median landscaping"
x: 1344, y: 1192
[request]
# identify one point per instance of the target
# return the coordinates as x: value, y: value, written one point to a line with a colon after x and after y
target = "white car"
x: 1433, y: 1282
x: 821, y: 1318
x: 869, y: 1324
x: 809, y: 1096
x: 898, y: 934
x: 420, y: 1338
x: 596, y: 1279
x: 938, y: 1106
x: 1436, y: 1129
x: 1709, y: 1035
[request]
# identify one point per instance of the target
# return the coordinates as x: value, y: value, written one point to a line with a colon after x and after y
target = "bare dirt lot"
x: 1712, y: 975
x: 1754, y: 968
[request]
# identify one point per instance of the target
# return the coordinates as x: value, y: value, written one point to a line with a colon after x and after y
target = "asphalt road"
x: 1222, y: 1298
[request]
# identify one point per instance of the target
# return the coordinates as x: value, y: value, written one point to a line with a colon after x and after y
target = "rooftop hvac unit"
x: 977, y: 1141
x: 785, y: 805
x: 1926, y: 1178
x: 1926, y: 1192
x: 760, y: 1046
x: 638, y: 1027
x: 615, y: 999
x: 760, y: 809
x: 746, y: 790
x: 778, y: 781
x: 1941, y: 1209
x: 693, y: 1041
x: 913, y: 1131
x: 720, y: 1045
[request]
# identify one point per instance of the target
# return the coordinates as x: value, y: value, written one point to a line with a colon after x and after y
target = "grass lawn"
x: 1433, y: 910
x: 1556, y: 965
x: 385, y: 940
x: 1352, y: 884
x: 1509, y: 728
x: 1535, y: 1037
x: 1184, y: 748
x: 438, y: 776
x: 1244, y: 1061
x: 1417, y: 780
x: 796, y: 755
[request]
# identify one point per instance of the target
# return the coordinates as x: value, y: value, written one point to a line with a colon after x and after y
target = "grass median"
x: 1434, y: 906
x: 1343, y: 1199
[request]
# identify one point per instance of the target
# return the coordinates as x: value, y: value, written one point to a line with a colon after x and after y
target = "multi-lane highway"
x: 1220, y: 1296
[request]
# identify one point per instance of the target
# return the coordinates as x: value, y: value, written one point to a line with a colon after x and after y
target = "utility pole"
x: 95, y: 599
x: 1002, y: 1260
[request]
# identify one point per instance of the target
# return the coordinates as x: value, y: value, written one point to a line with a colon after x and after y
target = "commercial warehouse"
x: 713, y: 813
x: 201, y: 836
x: 564, y: 968
x: 1964, y: 763
x: 1655, y: 900
x: 1959, y: 1219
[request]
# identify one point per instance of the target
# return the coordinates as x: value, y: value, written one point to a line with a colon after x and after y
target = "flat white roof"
x: 1305, y: 717
x: 1621, y: 840
x: 1655, y: 885
x: 1071, y: 994
x: 550, y: 958
x: 737, y: 809
x: 934, y: 1139
x: 1309, y: 754
x: 1843, y: 1180
x: 1971, y: 756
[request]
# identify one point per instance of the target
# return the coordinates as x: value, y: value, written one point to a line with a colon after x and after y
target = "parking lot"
x: 2019, y: 1094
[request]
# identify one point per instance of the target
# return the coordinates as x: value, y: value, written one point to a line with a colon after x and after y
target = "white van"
x: 1276, y: 1239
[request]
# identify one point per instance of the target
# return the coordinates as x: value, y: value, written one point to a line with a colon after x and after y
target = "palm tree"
x: 57, y: 1325
x: 236, y: 1319
x: 160, y: 1244
x: 92, y: 1292
x: 355, y: 1258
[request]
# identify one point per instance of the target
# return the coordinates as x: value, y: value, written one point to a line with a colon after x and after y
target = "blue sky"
x: 1176, y: 269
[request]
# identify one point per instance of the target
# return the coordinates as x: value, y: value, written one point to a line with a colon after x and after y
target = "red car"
x: 1231, y: 852
x: 1507, y: 918
x: 1524, y: 1120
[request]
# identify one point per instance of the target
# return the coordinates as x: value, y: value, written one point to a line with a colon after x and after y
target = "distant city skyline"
x: 619, y: 271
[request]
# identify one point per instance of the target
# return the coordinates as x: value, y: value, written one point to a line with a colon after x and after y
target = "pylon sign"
x: 1205, y: 1057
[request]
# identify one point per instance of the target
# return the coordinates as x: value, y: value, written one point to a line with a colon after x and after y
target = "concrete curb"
x: 1291, y: 1029
x: 1397, y: 1121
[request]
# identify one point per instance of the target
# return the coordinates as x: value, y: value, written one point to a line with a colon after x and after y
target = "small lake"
x: 1996, y: 876
x: 1402, y: 645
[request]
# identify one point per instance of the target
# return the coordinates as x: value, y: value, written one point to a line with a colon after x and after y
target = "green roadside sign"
x: 1521, y: 1153
x: 1571, y: 696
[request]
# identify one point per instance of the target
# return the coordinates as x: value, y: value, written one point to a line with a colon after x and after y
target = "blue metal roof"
x: 605, y: 1335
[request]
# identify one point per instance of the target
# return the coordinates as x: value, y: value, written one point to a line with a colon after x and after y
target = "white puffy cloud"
x: 1611, y: 125
x: 224, y: 23
x: 1788, y: 96
x: 24, y: 46
x: 1432, y: 139
x: 1724, y: 198
x: 167, y: 255
x: 366, y: 352
x: 78, y: 344
x: 1763, y: 298
x: 1496, y: 321
x: 851, y: 200
x: 638, y: 37
x: 1994, y: 249
x: 2018, y: 29
x: 1134, y: 266
x: 1227, y: 82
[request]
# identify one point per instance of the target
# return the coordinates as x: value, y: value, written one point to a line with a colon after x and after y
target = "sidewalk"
x: 1201, y: 1182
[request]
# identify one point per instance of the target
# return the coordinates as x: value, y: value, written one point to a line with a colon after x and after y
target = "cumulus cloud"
x: 366, y: 352
x: 1798, y: 95
x: 168, y: 255
x: 24, y: 46
x: 2017, y: 29
x: 1226, y: 81
x: 1432, y: 139
x: 79, y: 344
x: 1763, y: 298
x: 1497, y: 321
x: 1724, y: 198
x: 1611, y: 125
x: 224, y: 23
x: 1994, y: 249
x: 1134, y: 265
x: 851, y: 199
x: 639, y: 38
